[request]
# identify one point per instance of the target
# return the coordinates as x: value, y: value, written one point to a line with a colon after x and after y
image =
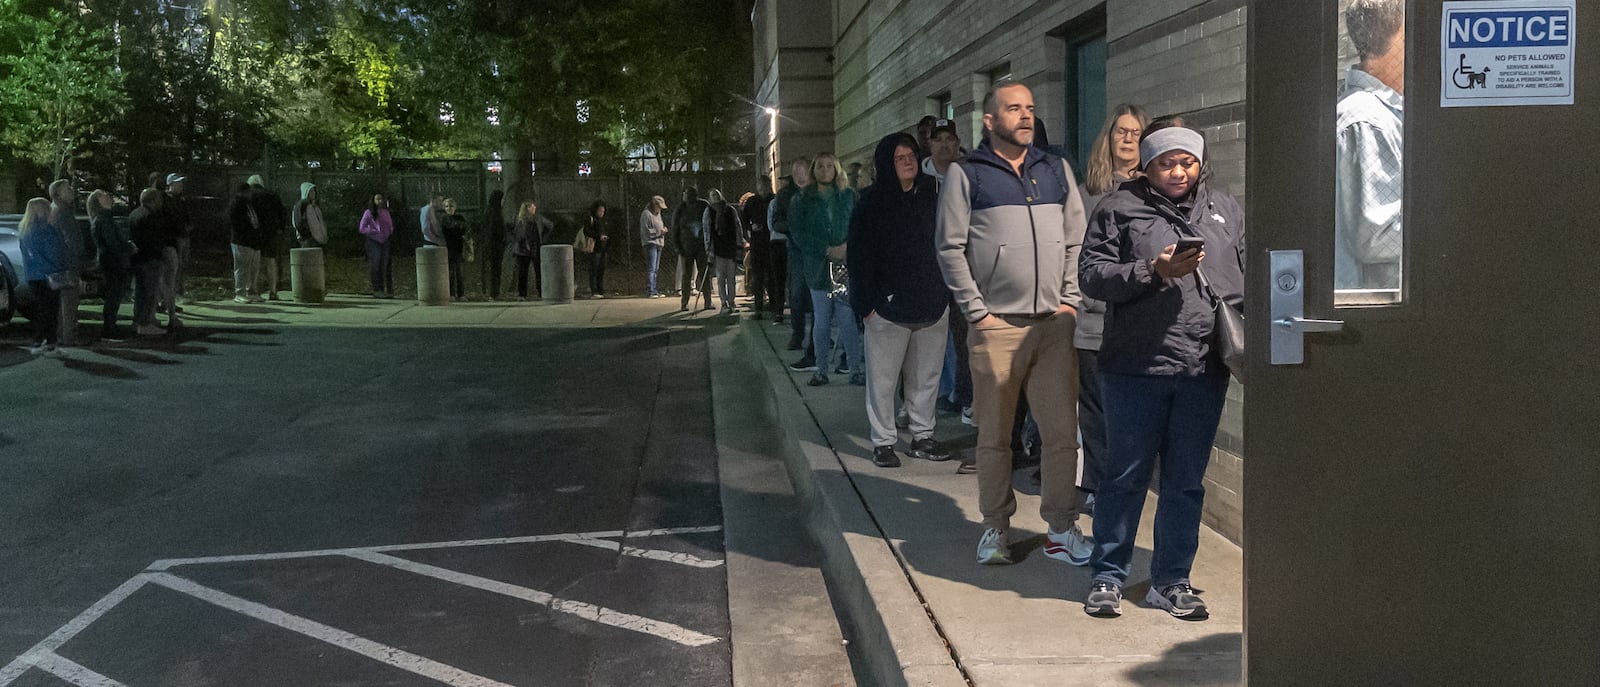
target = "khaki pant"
x: 899, y: 357
x: 1014, y: 355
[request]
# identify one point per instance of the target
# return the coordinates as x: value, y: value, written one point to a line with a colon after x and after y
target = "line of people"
x: 1070, y: 306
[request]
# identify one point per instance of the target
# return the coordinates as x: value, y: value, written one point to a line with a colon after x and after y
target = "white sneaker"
x: 992, y: 548
x: 38, y: 349
x: 240, y: 299
x: 966, y: 416
x: 1071, y: 546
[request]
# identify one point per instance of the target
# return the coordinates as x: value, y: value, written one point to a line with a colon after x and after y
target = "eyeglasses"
x: 906, y: 158
x: 1127, y: 133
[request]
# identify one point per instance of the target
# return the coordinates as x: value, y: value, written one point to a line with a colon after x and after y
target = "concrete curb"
x: 894, y: 638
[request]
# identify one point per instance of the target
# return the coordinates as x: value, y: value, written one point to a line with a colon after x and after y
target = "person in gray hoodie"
x: 1010, y: 226
x: 1163, y: 383
x: 309, y: 229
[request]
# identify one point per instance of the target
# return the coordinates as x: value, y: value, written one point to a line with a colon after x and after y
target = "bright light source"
x: 771, y: 111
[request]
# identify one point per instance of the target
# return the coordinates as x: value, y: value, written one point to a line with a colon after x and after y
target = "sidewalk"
x: 1007, y: 625
x: 347, y: 310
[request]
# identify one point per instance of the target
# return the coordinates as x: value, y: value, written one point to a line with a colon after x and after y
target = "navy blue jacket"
x: 1156, y: 327
x: 892, y: 252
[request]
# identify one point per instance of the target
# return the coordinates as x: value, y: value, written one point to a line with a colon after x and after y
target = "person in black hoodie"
x: 1162, y: 381
x: 724, y: 238
x: 896, y: 281
x: 688, y: 236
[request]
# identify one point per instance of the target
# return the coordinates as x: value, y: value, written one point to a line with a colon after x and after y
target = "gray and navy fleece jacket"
x: 1009, y: 242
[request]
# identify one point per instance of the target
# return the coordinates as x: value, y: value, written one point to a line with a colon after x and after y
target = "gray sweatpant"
x: 899, y: 357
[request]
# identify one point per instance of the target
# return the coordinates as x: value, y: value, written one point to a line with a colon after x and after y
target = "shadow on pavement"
x: 1177, y: 664
x: 100, y: 369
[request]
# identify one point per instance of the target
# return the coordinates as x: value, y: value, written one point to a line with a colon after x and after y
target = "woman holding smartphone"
x: 1162, y: 383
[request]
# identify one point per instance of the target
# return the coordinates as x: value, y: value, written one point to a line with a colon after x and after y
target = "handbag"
x: 839, y: 279
x: 1227, y: 332
x: 583, y: 243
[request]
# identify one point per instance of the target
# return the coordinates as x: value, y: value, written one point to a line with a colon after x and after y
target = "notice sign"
x: 1508, y: 52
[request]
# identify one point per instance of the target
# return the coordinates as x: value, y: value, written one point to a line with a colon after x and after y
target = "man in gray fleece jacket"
x: 1010, y: 227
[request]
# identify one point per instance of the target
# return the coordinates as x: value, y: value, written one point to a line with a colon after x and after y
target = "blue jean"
x: 1172, y: 419
x: 652, y: 265
x: 828, y: 311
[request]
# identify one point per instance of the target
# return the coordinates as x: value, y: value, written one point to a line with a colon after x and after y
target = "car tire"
x: 8, y: 300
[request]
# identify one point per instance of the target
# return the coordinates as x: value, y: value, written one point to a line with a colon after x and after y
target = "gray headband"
x: 1167, y: 140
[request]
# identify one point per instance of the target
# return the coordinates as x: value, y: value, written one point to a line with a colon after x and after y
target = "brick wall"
x: 891, y: 58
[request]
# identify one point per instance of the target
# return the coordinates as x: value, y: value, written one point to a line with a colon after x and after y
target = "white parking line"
x: 290, y: 555
x: 574, y: 537
x: 398, y: 658
x: 604, y: 616
x: 17, y: 667
x: 64, y: 668
x: 690, y: 560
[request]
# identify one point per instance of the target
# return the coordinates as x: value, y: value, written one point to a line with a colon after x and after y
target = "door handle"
x: 1301, y: 325
x: 1289, y: 323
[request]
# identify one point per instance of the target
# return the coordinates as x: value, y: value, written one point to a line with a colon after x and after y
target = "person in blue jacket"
x: 1163, y: 385
x: 47, y: 267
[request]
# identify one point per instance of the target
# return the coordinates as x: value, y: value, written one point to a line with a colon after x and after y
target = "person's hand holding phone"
x: 1180, y: 259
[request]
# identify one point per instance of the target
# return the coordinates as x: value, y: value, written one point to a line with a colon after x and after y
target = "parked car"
x: 14, y: 295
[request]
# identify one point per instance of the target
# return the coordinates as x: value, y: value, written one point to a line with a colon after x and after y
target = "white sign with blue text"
x: 1508, y: 52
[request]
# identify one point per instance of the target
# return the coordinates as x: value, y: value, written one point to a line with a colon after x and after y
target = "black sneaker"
x: 843, y: 369
x: 1105, y: 600
x: 817, y: 380
x: 806, y: 364
x: 928, y: 449
x: 1181, y: 600
x: 858, y: 379
x: 795, y: 344
x: 884, y: 457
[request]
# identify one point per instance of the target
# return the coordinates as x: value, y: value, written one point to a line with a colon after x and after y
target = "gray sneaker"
x: 1181, y: 600
x: 1105, y: 600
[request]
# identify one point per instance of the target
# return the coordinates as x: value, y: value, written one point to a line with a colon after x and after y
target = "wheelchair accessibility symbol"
x: 1467, y: 79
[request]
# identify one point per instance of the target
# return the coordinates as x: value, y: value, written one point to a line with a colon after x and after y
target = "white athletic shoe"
x: 992, y: 549
x: 1070, y: 546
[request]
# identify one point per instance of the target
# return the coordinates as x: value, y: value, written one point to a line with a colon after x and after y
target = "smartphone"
x: 1185, y: 245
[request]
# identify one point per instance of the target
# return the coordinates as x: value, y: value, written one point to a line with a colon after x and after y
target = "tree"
x: 59, y: 90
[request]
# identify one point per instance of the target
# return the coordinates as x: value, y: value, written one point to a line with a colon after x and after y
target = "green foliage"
x: 58, y: 88
x: 157, y: 84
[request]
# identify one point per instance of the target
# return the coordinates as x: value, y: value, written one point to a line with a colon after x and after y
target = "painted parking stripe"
x: 674, y: 530
x: 652, y: 554
x: 66, y: 669
x: 604, y: 616
x: 398, y: 658
x: 578, y: 537
x: 16, y: 668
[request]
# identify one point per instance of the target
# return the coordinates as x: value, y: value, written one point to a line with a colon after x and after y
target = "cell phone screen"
x: 1185, y: 245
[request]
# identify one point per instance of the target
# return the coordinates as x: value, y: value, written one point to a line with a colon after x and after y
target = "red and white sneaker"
x: 1070, y: 546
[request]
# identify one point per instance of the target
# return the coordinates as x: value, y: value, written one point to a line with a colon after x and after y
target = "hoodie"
x: 893, y: 259
x: 1154, y: 326
x: 309, y: 229
x: 724, y: 230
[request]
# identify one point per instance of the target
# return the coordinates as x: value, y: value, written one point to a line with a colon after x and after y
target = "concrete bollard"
x: 308, y: 277
x: 433, y: 275
x: 557, y: 283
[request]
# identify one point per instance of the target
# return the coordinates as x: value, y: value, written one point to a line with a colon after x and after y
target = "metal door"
x: 1420, y: 492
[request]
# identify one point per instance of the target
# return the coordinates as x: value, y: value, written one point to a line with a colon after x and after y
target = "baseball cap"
x: 944, y: 125
x: 174, y: 178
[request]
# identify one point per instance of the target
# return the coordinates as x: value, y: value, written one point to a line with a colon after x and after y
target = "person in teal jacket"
x: 819, y: 224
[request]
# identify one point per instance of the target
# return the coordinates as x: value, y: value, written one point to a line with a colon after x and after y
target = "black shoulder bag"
x: 1227, y: 332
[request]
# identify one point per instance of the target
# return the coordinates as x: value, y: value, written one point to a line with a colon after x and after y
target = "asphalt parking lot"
x: 259, y: 505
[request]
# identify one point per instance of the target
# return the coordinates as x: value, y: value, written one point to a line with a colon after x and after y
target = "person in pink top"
x: 378, y: 225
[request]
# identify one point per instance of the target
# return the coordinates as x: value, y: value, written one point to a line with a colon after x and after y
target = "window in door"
x: 1369, y: 241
